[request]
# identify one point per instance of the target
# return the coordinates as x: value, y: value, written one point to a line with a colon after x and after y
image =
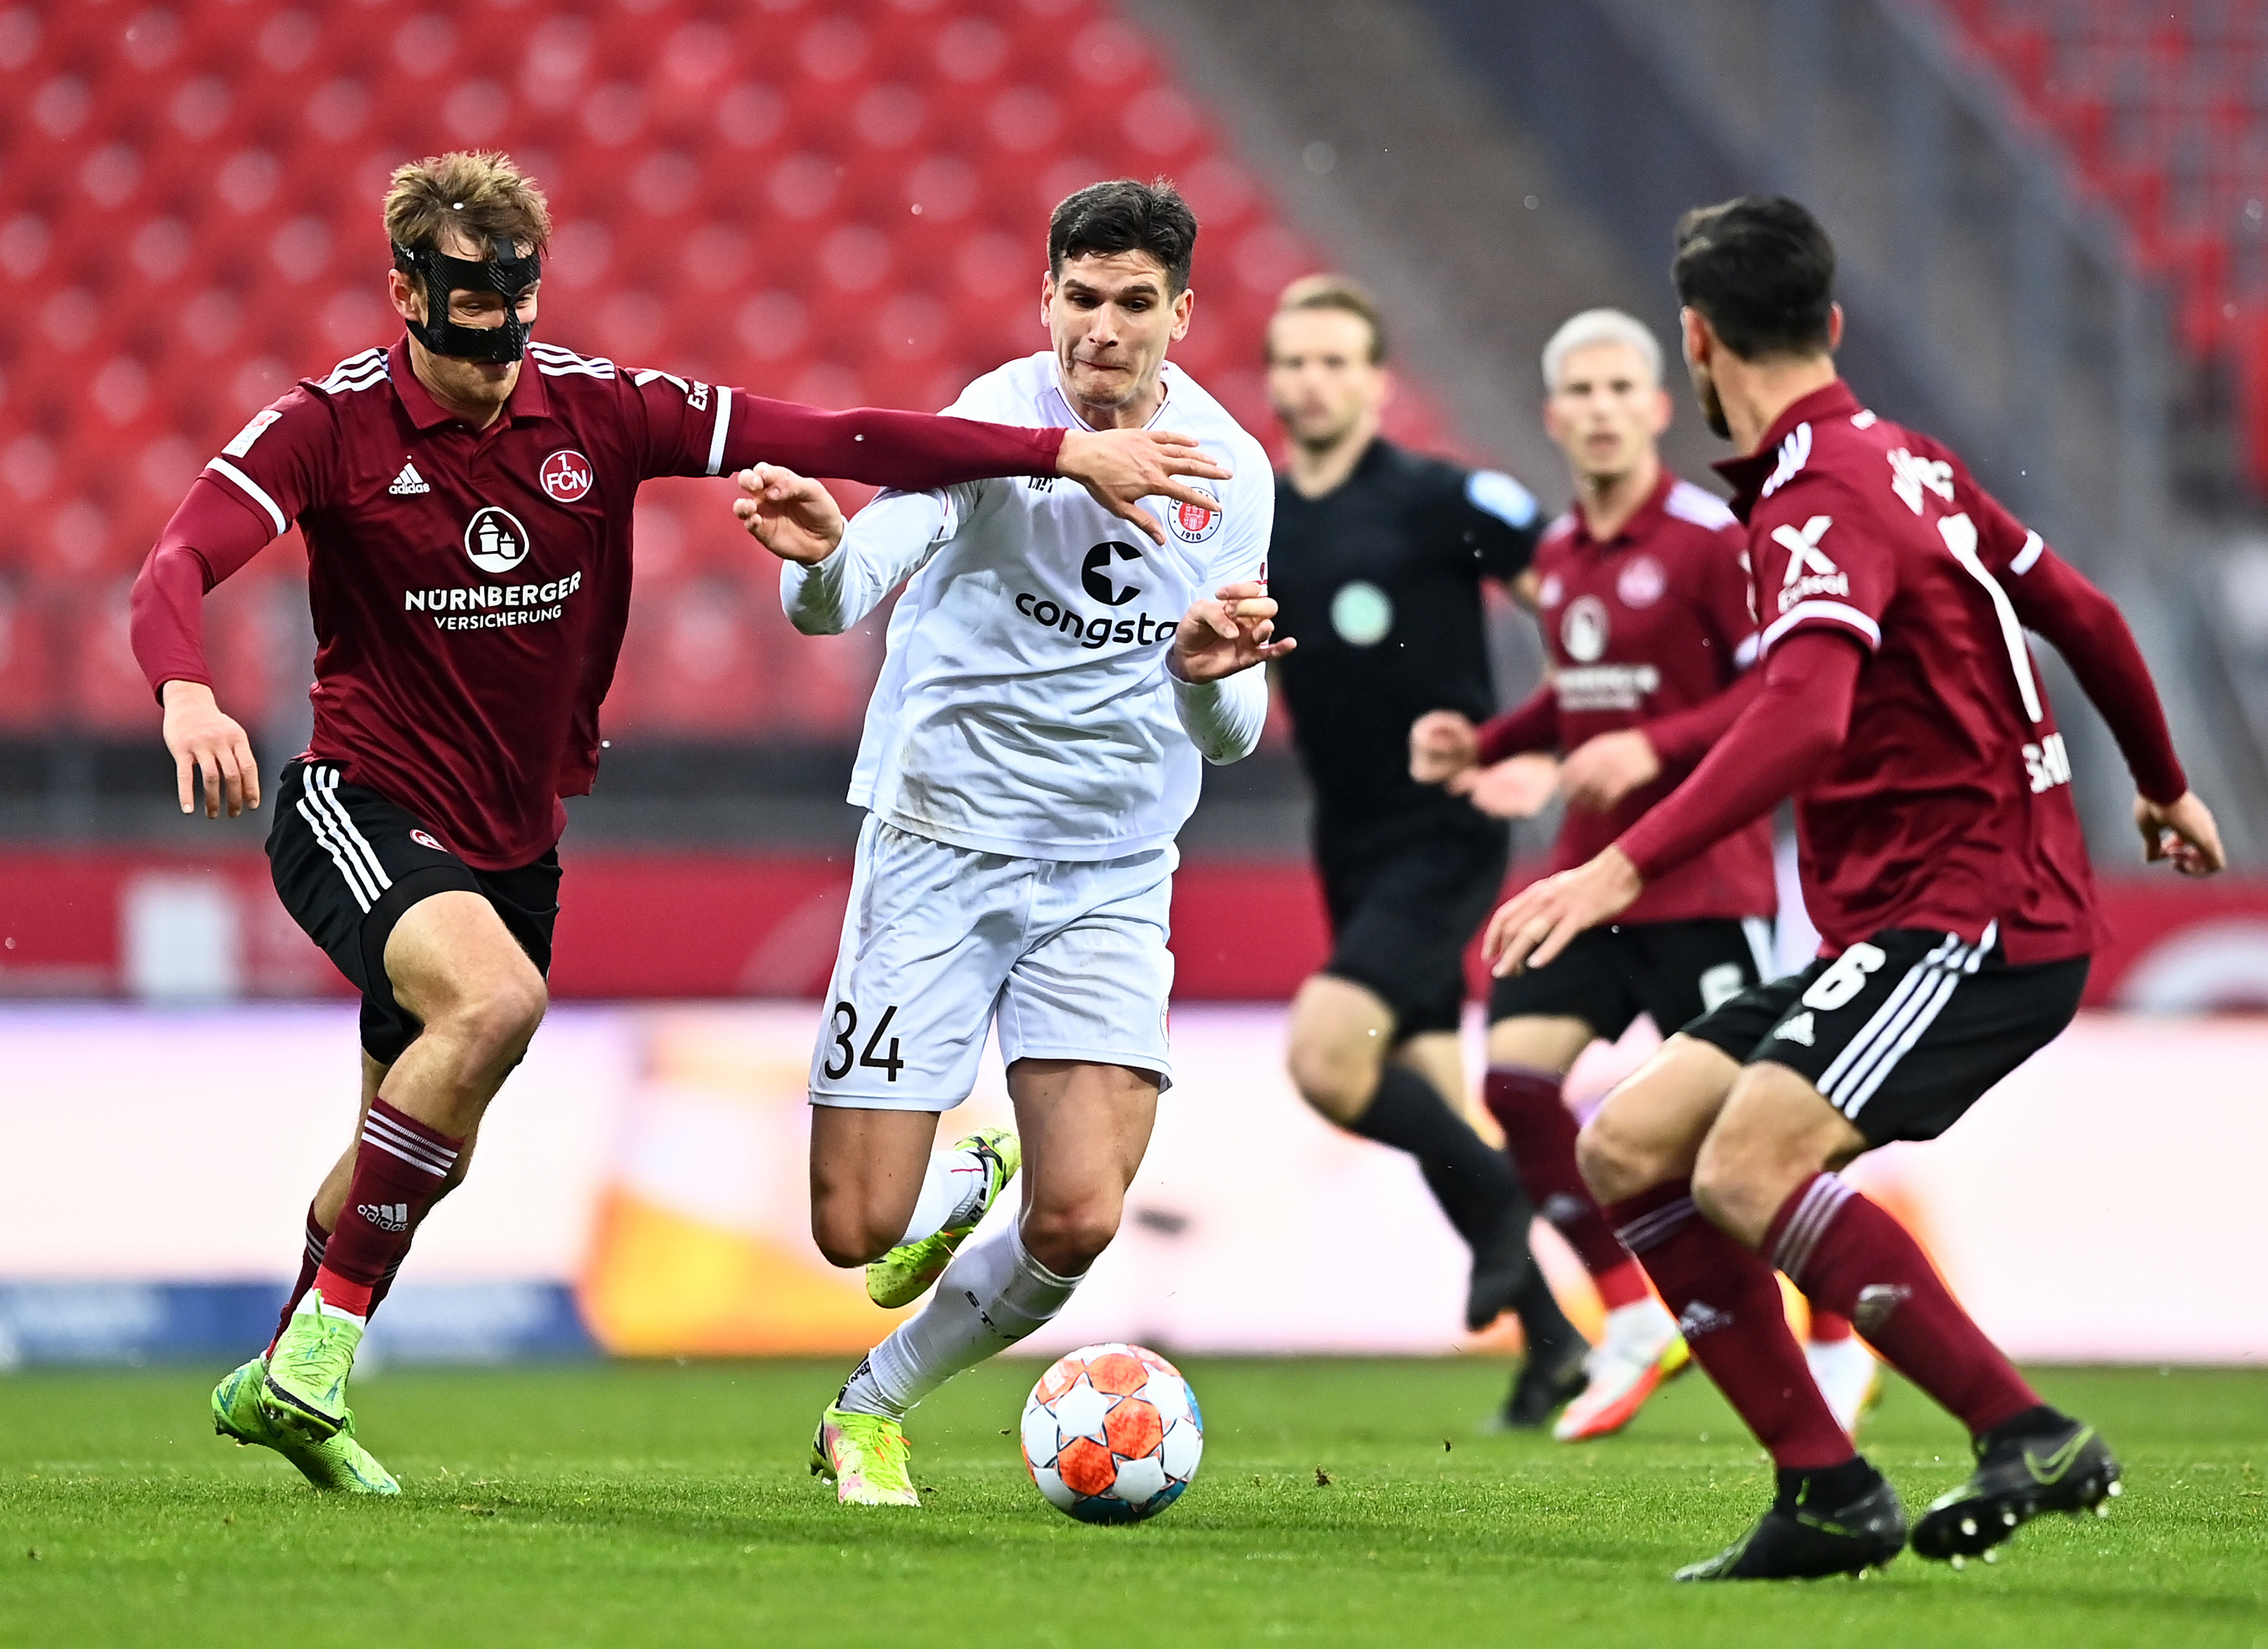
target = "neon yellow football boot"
x: 868, y: 1457
x: 304, y: 1393
x: 904, y: 1274
x: 338, y: 1462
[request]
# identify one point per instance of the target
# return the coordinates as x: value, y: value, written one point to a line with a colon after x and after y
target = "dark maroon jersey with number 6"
x: 470, y: 587
x: 1949, y: 806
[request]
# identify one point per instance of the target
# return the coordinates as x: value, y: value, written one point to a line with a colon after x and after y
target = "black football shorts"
x: 1904, y: 1032
x: 1673, y: 972
x: 348, y: 862
x: 1404, y: 900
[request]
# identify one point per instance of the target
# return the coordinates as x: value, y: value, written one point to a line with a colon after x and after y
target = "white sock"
x: 993, y: 1295
x: 954, y: 1191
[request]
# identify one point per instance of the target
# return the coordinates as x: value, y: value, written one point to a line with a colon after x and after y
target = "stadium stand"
x: 842, y: 204
x: 2163, y: 111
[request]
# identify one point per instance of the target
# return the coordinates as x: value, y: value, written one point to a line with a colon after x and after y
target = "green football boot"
x: 904, y: 1274
x: 338, y: 1462
x: 304, y: 1393
x: 867, y: 1456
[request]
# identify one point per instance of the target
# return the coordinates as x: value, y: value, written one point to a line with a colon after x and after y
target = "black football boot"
x: 1842, y: 1521
x: 2040, y: 1461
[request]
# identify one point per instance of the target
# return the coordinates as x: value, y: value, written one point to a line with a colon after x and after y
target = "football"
x: 1112, y: 1434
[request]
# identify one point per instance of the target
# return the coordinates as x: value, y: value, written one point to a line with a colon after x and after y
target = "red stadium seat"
x: 191, y: 210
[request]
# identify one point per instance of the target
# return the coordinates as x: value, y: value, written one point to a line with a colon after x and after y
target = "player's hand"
x: 791, y: 515
x: 1233, y: 632
x: 1119, y: 468
x: 1599, y: 772
x: 2181, y: 832
x: 1536, y: 923
x: 200, y: 738
x: 1442, y: 745
x: 1516, y: 787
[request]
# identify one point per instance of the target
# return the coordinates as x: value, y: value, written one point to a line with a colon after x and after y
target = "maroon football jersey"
x: 470, y: 587
x: 1652, y: 622
x: 1949, y: 805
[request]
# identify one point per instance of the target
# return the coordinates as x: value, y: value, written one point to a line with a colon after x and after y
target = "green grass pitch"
x: 668, y: 1505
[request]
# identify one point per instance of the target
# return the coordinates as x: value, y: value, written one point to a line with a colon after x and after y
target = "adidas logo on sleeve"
x: 408, y: 481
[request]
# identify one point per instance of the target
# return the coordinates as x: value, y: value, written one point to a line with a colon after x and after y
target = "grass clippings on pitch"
x: 670, y: 1505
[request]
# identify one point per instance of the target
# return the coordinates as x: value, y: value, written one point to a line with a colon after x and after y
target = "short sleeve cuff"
x: 1841, y: 614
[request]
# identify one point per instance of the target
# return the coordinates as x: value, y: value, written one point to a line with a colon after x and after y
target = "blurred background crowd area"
x: 2050, y: 214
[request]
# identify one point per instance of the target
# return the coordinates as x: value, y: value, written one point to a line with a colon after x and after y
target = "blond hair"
x: 1601, y: 326
x: 479, y: 192
x: 1336, y: 292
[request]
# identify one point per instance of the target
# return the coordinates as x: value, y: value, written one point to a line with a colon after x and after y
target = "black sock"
x: 2038, y: 1421
x: 1831, y: 1486
x: 1543, y: 1325
x: 1473, y: 1184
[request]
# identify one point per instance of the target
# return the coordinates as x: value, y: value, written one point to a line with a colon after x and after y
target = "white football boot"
x: 1640, y: 1348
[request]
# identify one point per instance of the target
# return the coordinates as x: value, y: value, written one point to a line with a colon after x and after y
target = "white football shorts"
x: 1070, y: 957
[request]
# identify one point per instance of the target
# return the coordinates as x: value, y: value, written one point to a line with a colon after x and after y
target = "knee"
x: 1729, y: 1182
x: 1613, y: 1164
x: 1334, y: 1078
x: 1066, y: 1237
x: 848, y: 1234
x: 496, y: 1021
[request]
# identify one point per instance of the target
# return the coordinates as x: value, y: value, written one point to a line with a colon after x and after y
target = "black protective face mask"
x: 506, y: 273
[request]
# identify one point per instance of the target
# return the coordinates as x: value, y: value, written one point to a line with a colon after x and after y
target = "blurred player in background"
x: 1031, y: 749
x: 1379, y: 561
x: 1944, y: 867
x: 467, y: 524
x: 1642, y: 590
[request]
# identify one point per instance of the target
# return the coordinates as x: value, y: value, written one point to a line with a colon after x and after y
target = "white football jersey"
x: 1024, y: 707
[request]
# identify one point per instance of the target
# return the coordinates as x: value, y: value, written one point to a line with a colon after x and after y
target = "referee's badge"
x: 1193, y: 523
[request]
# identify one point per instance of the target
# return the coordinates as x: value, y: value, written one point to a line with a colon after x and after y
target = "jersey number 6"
x: 846, y: 1025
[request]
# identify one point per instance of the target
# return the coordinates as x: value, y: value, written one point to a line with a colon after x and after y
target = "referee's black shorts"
x: 1672, y: 972
x: 1405, y: 897
x: 348, y: 862
x: 1904, y: 1032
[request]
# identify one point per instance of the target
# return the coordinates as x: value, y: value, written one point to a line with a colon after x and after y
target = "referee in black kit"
x: 1376, y: 566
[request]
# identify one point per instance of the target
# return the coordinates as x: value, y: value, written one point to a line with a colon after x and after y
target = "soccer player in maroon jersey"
x: 467, y: 524
x: 1642, y: 590
x: 1943, y: 865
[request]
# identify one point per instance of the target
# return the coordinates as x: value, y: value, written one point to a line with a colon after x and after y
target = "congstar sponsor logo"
x: 1099, y: 576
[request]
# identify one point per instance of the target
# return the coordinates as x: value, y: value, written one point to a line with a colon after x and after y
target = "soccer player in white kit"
x: 1030, y: 754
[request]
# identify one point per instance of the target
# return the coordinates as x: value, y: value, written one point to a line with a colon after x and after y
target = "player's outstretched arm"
x: 1121, y: 468
x: 2054, y: 598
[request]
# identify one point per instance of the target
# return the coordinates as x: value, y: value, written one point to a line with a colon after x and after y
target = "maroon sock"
x: 1728, y: 1304
x: 399, y: 1167
x: 311, y: 1259
x: 1851, y: 1257
x: 1539, y: 1131
x: 384, y: 1286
